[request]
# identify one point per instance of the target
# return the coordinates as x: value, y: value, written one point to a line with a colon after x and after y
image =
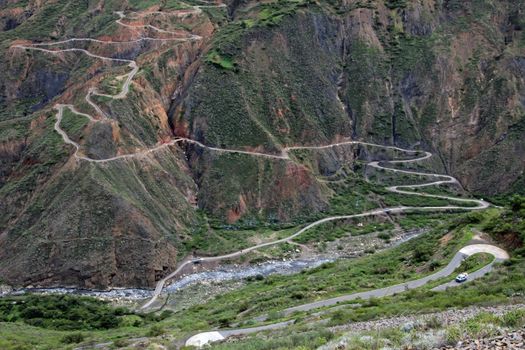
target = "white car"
x: 462, y: 277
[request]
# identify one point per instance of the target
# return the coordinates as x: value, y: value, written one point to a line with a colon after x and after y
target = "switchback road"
x: 499, y: 254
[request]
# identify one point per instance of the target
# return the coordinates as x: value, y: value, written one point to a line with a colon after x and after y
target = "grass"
x: 310, y: 339
x: 219, y: 241
x: 299, y: 335
x: 221, y: 61
x: 73, y: 124
x: 469, y: 265
x: 271, y: 294
x: 333, y: 230
x: 475, y: 262
x: 61, y: 312
x: 277, y: 292
x: 492, y: 290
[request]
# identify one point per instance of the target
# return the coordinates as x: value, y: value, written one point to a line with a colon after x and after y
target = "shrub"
x: 434, y: 264
x: 517, y: 203
x: 515, y: 318
x: 384, y: 236
x: 422, y: 253
x: 120, y: 343
x: 73, y: 338
x: 274, y: 315
x: 165, y: 314
x: 108, y: 321
x: 61, y: 312
x: 433, y: 323
x: 155, y: 331
x: 131, y: 321
x: 452, y: 335
x: 371, y: 302
x: 224, y: 322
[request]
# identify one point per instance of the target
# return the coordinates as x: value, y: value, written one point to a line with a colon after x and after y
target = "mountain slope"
x: 254, y: 76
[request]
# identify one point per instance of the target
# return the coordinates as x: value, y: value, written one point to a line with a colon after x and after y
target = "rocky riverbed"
x: 231, y: 273
x: 352, y: 247
x: 225, y: 273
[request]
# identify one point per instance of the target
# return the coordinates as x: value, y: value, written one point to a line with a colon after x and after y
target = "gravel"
x: 420, y: 332
x: 446, y: 318
x: 510, y: 341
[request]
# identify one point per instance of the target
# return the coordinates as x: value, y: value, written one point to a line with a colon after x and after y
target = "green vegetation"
x: 332, y: 230
x: 223, y: 62
x: 61, y: 312
x: 309, y: 339
x: 504, y: 285
x: 54, y: 321
x: 219, y: 240
x: 225, y: 45
x: 354, y: 196
x: 73, y: 338
x: 510, y: 225
x: 408, y: 261
x: 484, y: 325
x: 479, y: 326
x: 73, y: 124
x: 43, y: 165
x: 421, y: 220
x: 498, y: 287
x: 475, y: 262
x: 271, y: 294
x: 368, y: 69
x: 163, y: 4
x: 381, y: 269
x: 74, y: 12
x: 274, y: 74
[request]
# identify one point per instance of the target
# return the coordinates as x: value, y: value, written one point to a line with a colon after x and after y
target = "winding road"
x: 441, y: 179
x: 284, y: 155
x: 499, y: 254
x: 174, y: 36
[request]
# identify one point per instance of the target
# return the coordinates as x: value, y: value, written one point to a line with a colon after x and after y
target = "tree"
x: 517, y: 203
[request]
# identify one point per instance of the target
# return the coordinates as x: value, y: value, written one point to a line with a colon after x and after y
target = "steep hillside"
x: 446, y: 76
x: 73, y: 222
x: 117, y: 202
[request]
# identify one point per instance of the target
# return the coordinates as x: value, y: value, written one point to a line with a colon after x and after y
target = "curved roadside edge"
x: 499, y: 254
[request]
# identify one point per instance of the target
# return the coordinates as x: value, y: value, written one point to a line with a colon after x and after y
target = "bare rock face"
x: 445, y: 76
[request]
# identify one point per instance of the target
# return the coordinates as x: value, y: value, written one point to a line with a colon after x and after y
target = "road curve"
x: 479, y: 204
x: 129, y: 76
x: 499, y: 254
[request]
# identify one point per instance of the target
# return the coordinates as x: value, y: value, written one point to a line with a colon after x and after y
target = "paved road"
x: 498, y: 253
x: 202, y: 339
